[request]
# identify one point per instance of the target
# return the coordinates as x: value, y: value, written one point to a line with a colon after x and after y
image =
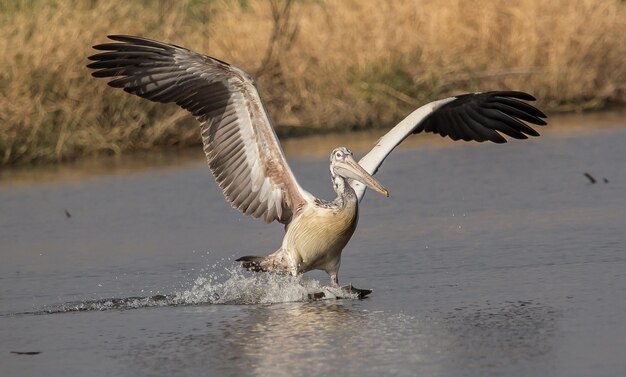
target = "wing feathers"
x: 475, y: 116
x: 480, y: 133
x: 240, y: 145
x: 482, y: 115
x: 517, y: 113
x: 469, y: 133
x: 477, y: 120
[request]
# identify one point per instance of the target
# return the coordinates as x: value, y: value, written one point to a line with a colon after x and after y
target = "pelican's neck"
x: 345, y: 192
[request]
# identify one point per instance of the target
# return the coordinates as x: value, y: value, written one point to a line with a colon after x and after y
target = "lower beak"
x: 351, y: 169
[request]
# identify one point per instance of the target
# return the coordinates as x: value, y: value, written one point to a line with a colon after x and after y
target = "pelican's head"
x: 342, y: 164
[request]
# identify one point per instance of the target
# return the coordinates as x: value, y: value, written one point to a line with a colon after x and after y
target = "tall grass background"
x: 320, y: 65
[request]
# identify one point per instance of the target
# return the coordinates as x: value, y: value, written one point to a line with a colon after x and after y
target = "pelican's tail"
x: 275, y: 262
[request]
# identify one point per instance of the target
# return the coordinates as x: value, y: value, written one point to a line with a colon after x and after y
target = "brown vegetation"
x: 333, y: 64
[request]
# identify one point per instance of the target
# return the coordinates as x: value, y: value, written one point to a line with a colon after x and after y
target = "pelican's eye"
x: 338, y: 154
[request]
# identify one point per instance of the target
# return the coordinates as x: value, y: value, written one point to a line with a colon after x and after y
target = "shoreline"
x: 312, y: 145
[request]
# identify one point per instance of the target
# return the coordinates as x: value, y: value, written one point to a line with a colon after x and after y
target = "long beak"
x: 351, y: 169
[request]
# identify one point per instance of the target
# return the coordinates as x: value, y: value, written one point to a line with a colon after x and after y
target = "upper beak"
x: 351, y: 169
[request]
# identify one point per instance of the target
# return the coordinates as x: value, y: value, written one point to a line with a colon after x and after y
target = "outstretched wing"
x: 476, y: 116
x: 240, y: 144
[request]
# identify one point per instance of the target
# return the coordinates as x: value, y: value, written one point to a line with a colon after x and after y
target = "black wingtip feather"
x: 142, y: 41
x: 485, y: 116
x: 515, y: 94
x: 109, y: 72
x: 124, y: 37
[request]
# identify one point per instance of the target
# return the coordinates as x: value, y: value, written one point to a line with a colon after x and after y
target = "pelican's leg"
x: 333, y: 271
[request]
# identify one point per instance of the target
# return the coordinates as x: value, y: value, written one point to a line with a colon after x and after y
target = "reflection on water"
x: 331, y: 337
x: 328, y: 338
x: 314, y: 339
x: 338, y: 337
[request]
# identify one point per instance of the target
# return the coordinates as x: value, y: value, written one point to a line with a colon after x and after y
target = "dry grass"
x: 332, y: 64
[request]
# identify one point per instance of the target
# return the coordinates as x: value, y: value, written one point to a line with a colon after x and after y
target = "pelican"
x: 247, y: 161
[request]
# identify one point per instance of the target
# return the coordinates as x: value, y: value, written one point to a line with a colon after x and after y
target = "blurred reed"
x: 320, y: 65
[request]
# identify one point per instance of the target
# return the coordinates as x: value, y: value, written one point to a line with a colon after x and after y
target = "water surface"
x: 486, y: 260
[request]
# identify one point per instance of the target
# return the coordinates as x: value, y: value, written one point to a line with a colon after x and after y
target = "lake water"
x: 487, y: 260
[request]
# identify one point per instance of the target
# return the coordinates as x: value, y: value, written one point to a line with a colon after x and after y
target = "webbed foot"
x: 347, y: 291
x: 361, y: 293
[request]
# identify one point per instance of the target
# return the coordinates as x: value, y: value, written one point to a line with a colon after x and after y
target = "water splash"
x: 240, y: 287
x: 107, y: 304
x: 232, y: 286
x: 237, y: 286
